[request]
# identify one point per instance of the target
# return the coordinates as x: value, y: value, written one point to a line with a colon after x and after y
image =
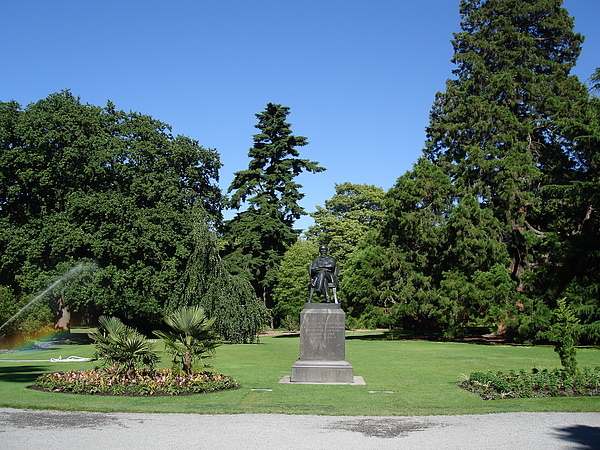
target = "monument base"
x: 307, y: 371
x: 358, y: 381
x: 322, y: 347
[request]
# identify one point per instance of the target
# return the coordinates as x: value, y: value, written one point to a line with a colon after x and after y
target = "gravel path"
x: 31, y: 429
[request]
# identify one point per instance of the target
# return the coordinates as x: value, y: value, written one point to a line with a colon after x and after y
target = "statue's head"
x: 323, y: 249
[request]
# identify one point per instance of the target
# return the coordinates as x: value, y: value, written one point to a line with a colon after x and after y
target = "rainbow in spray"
x: 65, y: 277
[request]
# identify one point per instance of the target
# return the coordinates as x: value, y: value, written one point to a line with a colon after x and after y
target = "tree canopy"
x: 346, y: 217
x: 474, y: 232
x: 495, y: 227
x: 256, y: 238
x: 84, y: 183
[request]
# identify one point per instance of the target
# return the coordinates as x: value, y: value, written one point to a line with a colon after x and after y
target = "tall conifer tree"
x: 494, y: 129
x: 496, y: 134
x: 256, y: 239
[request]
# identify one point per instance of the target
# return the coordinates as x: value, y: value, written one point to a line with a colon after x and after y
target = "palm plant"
x: 123, y: 348
x: 190, y: 337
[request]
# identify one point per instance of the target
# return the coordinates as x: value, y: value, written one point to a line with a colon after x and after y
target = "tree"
x: 573, y: 203
x: 390, y: 279
x: 351, y: 212
x: 476, y: 203
x: 594, y: 81
x: 564, y: 333
x: 190, y: 337
x: 513, y: 79
x: 494, y: 130
x: 291, y: 289
x: 84, y: 183
x: 228, y: 299
x: 256, y: 239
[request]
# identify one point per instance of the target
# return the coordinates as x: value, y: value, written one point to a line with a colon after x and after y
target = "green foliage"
x: 267, y: 185
x: 537, y: 383
x: 594, y: 81
x: 564, y: 333
x: 351, y: 212
x: 513, y: 60
x: 190, y: 337
x: 499, y: 218
x: 574, y: 245
x: 256, y: 239
x: 84, y: 183
x: 142, y: 383
x: 228, y: 299
x: 122, y: 348
x: 21, y: 320
x: 8, y: 307
x: 291, y: 290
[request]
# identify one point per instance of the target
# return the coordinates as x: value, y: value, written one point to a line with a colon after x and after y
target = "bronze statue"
x: 323, y: 275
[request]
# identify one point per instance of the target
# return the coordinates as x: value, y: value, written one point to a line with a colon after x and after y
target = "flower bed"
x: 538, y: 383
x: 144, y: 383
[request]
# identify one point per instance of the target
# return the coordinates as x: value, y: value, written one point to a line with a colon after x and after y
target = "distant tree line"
x: 494, y: 225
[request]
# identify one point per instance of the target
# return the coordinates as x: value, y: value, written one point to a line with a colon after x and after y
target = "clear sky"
x: 359, y: 76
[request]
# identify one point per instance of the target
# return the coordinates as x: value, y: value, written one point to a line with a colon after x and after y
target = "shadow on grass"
x: 394, y: 335
x: 376, y: 335
x: 21, y: 373
x: 474, y: 336
x: 288, y: 335
x: 73, y: 338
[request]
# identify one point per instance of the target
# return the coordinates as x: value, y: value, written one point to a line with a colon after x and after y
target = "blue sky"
x: 359, y: 76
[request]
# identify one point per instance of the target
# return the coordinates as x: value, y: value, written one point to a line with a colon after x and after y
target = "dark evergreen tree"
x: 494, y: 130
x: 238, y: 314
x: 573, y: 246
x: 496, y: 140
x: 256, y: 239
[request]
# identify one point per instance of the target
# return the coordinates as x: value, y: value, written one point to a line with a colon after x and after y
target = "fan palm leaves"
x: 190, y: 337
x: 123, y: 348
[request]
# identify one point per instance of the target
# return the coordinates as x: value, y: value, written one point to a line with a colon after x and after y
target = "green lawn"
x: 421, y: 374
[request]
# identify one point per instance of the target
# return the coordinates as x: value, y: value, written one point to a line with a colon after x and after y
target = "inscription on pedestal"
x: 322, y: 333
x: 322, y: 346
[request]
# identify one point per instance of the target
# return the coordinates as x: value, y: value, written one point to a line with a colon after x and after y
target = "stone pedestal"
x: 322, y: 346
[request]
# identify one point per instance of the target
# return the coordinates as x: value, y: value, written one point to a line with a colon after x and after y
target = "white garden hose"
x: 54, y: 360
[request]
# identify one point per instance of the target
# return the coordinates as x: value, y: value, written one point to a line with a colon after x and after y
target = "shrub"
x: 190, y: 337
x: 123, y: 348
x: 564, y: 333
x: 538, y: 383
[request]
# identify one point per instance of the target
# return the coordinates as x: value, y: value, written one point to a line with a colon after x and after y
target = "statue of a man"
x: 323, y: 271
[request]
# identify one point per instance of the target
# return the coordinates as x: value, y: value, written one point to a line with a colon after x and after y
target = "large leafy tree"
x: 291, y: 290
x: 81, y: 182
x: 494, y: 130
x: 389, y: 279
x: 256, y: 238
x: 346, y: 217
x: 574, y: 205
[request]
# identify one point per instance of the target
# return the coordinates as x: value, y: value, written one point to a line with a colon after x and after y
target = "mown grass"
x: 422, y: 376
